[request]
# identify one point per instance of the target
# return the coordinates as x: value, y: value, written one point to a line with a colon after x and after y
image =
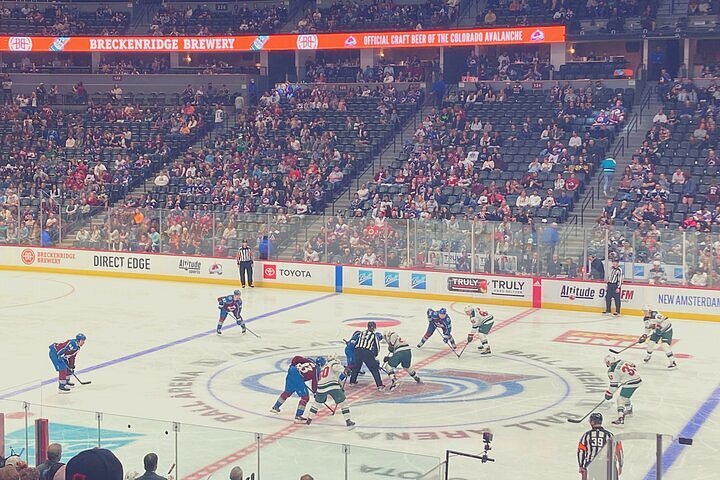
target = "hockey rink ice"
x: 152, y: 353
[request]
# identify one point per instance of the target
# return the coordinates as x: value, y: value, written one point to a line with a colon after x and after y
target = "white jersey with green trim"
x: 655, y: 321
x: 478, y: 318
x: 329, y: 376
x: 396, y: 343
x: 623, y: 374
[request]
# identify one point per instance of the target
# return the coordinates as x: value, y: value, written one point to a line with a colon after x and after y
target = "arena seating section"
x: 60, y: 19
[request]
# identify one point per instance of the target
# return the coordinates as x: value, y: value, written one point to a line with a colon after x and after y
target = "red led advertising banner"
x: 320, y: 41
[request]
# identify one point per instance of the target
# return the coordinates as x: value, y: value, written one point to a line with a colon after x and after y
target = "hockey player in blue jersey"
x: 350, y: 350
x: 230, y: 304
x: 439, y: 320
x: 62, y: 355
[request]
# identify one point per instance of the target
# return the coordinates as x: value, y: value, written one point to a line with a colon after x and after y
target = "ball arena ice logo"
x: 392, y: 279
x: 365, y: 278
x: 307, y: 42
x: 27, y: 256
x: 20, y: 44
x: 418, y: 281
x: 193, y: 267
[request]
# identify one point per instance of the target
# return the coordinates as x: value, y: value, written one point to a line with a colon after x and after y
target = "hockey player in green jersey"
x: 624, y: 376
x: 658, y: 329
x: 481, y: 324
x: 330, y: 373
x: 399, y: 354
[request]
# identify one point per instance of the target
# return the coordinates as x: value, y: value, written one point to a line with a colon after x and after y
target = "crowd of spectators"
x: 525, y: 64
x: 59, y: 19
x: 701, y: 7
x: 346, y: 15
x: 569, y: 12
x: 62, y: 165
x: 282, y: 158
x: 667, y: 205
x: 410, y: 69
x: 201, y: 20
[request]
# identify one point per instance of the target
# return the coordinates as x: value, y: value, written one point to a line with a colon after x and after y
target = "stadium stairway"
x: 101, y: 217
x: 592, y: 201
x: 388, y: 155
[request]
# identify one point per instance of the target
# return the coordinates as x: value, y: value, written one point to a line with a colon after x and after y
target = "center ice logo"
x: 450, y: 385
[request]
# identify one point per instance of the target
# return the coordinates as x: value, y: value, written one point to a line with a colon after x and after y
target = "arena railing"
x: 197, y: 451
x: 686, y: 257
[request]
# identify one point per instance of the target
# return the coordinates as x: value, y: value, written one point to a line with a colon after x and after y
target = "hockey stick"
x: 448, y: 342
x: 255, y: 334
x: 578, y: 420
x: 463, y: 350
x: 80, y: 381
x: 328, y: 407
x: 244, y: 326
x: 613, y: 350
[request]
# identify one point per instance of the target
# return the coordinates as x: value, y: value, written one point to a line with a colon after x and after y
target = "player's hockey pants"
x: 363, y: 355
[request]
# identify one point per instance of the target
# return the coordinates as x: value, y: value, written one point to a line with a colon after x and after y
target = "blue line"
x: 689, y: 431
x: 164, y: 346
x: 338, y: 278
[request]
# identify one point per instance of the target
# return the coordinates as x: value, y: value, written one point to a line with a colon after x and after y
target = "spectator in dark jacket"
x: 52, y: 463
x: 596, y: 268
x: 150, y: 461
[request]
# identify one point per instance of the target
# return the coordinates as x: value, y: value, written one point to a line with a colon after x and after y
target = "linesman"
x: 244, y: 260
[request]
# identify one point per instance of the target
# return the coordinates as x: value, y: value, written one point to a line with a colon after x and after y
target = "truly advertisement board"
x: 483, y: 288
x: 320, y: 41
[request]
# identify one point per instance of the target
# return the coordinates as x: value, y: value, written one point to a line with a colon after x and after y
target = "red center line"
x: 358, y: 394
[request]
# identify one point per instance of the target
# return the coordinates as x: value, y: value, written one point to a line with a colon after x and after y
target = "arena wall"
x: 535, y: 292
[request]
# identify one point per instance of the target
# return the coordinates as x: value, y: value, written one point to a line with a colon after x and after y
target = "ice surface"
x: 152, y: 354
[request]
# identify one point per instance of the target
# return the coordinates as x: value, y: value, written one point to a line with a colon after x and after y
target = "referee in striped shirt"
x: 366, y: 351
x: 614, y: 287
x: 244, y: 260
x: 591, y: 445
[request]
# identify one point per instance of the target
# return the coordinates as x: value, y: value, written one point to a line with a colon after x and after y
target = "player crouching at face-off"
x: 624, y: 376
x: 230, y: 304
x: 481, y: 322
x: 62, y: 355
x: 438, y: 320
x: 399, y: 354
x: 330, y: 374
x: 301, y: 370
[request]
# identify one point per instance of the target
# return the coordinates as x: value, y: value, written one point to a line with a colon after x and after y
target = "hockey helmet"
x: 646, y: 308
x: 332, y: 358
x: 596, y: 418
x: 610, y: 359
x: 236, y: 292
x: 442, y: 311
x: 80, y: 336
x: 320, y: 361
x: 468, y: 310
x: 371, y: 326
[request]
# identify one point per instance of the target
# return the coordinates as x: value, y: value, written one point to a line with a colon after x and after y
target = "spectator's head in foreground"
x: 94, y: 464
